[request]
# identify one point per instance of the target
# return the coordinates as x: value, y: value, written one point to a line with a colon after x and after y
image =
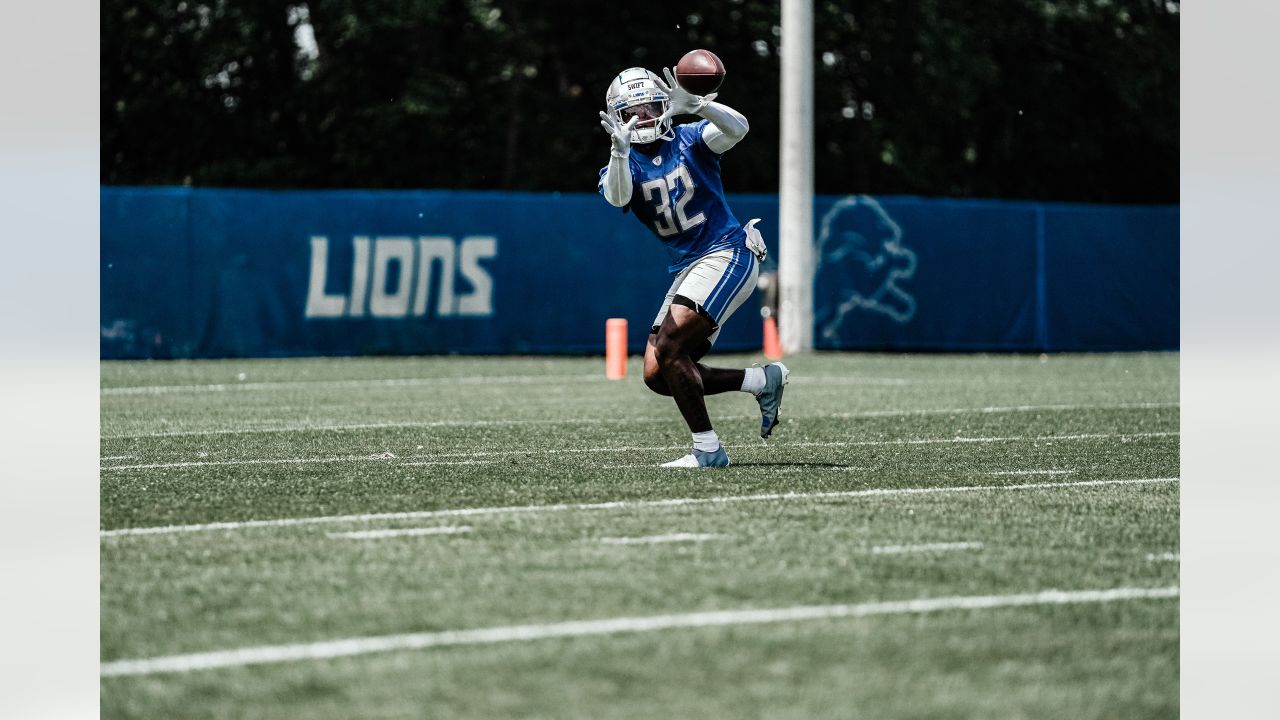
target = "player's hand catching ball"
x: 620, y: 134
x: 683, y: 102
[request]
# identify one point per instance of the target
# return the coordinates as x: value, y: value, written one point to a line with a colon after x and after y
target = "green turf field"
x: 249, y: 504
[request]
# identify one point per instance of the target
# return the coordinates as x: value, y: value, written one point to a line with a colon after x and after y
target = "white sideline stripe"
x: 1163, y: 557
x: 674, y: 537
x: 401, y: 532
x: 609, y: 626
x: 561, y: 451
x: 117, y: 457
x: 614, y: 505
x: 386, y: 382
x: 579, y: 421
x: 927, y: 547
x: 1032, y: 472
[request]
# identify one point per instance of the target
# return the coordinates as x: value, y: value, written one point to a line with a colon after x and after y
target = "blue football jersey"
x: 678, y: 195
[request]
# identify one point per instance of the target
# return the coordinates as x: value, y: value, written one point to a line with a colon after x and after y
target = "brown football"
x: 700, y: 72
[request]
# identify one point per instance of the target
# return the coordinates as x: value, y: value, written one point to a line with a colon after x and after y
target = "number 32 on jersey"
x: 665, y: 221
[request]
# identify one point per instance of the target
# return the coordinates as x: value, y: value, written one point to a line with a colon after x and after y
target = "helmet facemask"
x: 635, y: 94
x: 649, y: 128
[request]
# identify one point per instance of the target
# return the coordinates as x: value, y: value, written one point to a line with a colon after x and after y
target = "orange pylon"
x: 772, y: 343
x: 615, y: 348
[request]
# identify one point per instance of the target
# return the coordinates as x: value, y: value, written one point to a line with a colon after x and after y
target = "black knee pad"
x: 686, y: 302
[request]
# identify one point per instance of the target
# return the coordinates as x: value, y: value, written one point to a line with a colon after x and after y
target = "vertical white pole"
x: 795, y: 192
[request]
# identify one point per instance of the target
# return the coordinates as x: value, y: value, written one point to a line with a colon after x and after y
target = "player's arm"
x: 727, y: 126
x: 615, y: 184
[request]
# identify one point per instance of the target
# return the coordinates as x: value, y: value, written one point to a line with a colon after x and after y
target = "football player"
x: 668, y: 176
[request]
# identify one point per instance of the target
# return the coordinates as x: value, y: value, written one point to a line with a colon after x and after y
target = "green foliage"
x: 1050, y: 99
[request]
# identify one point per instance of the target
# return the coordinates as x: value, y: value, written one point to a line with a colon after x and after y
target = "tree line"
x: 1045, y: 99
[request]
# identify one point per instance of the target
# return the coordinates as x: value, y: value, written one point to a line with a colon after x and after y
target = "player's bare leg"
x: 766, y: 384
x: 682, y: 333
x: 714, y: 380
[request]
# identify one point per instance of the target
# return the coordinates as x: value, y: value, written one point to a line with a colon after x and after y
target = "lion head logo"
x: 862, y: 264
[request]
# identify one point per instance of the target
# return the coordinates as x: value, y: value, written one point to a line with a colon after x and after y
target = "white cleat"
x: 698, y: 458
x: 688, y: 461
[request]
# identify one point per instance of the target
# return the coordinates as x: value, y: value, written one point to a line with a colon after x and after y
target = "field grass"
x: 1020, y: 474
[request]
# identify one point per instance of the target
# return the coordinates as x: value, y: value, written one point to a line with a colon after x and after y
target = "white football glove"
x: 683, y: 102
x: 620, y: 134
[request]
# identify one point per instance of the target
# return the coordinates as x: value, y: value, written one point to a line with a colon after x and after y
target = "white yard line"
x: 855, y: 380
x: 117, y: 457
x: 774, y: 468
x: 1004, y: 409
x: 927, y: 547
x: 533, y: 379
x: 448, y: 462
x: 1032, y: 472
x: 609, y: 626
x: 630, y: 466
x: 401, y: 532
x: 383, y: 426
x: 1163, y: 557
x: 614, y: 505
x: 651, y: 539
x: 261, y: 461
x: 578, y: 421
x: 560, y: 451
x: 370, y: 383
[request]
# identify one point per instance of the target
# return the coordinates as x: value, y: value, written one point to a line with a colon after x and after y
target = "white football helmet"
x: 635, y: 93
